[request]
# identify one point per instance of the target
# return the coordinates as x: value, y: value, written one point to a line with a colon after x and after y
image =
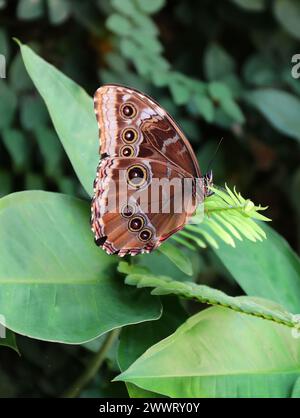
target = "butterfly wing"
x: 154, y: 132
x: 140, y: 144
x: 130, y: 220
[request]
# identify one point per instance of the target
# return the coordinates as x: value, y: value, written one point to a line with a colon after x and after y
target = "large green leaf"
x: 32, y: 113
x: 268, y: 268
x: 55, y: 284
x: 71, y: 111
x: 280, y: 108
x: 220, y: 353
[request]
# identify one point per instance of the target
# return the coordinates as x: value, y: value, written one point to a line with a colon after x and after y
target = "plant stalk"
x: 93, y: 366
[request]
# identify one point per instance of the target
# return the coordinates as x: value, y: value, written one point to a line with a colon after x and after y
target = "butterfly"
x: 141, y: 146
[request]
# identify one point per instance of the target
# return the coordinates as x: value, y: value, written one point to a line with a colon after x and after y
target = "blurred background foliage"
x: 222, y: 69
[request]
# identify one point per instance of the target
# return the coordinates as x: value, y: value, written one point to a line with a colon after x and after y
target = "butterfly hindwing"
x: 127, y: 219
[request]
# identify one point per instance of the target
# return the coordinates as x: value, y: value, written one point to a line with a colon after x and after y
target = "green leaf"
x: 51, y: 151
x: 280, y: 108
x: 268, y: 269
x: 147, y: 42
x: 6, y: 184
x: 68, y: 185
x: 116, y: 62
x: 156, y: 262
x: 4, y: 46
x: 8, y: 105
x: 296, y: 389
x: 221, y: 93
x: 118, y: 24
x: 260, y: 71
x: 142, y: 63
x: 177, y: 257
x: 2, y: 4
x: 33, y: 113
x: 232, y: 109
x: 164, y: 285
x: 66, y: 288
x: 232, y: 355
x: 217, y: 62
x: 128, y: 48
x: 18, y: 76
x: 30, y: 9
x: 59, y: 10
x: 251, y: 5
x: 127, y: 7
x: 85, y: 13
x: 292, y: 82
x: 152, y: 6
x: 141, y: 20
x: 8, y: 339
x: 136, y: 339
x: 179, y: 90
x: 205, y: 107
x: 226, y: 215
x: 287, y: 13
x: 34, y: 181
x: 17, y: 146
x: 71, y: 111
x: 234, y: 83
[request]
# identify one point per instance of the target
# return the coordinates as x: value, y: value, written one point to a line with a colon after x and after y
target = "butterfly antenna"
x: 214, y: 155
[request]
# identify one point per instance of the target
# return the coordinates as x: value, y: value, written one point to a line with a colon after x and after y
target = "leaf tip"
x: 17, y: 41
x: 118, y: 378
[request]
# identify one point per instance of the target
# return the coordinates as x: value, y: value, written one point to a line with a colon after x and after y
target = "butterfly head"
x: 208, y: 182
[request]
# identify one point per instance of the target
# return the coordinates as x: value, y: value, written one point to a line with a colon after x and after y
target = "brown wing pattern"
x: 140, y: 145
x: 158, y: 137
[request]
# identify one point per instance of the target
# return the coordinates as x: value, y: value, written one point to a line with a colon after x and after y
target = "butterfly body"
x: 144, y: 190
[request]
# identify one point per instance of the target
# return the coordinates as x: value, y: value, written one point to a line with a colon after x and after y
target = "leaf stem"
x: 93, y: 366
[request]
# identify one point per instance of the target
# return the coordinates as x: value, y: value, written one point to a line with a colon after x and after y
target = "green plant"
x: 79, y: 288
x: 67, y: 290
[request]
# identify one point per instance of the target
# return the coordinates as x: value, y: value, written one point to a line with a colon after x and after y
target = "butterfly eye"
x: 136, y: 224
x: 136, y: 175
x: 145, y: 235
x: 127, y: 211
x: 127, y: 151
x: 128, y: 110
x: 129, y: 135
